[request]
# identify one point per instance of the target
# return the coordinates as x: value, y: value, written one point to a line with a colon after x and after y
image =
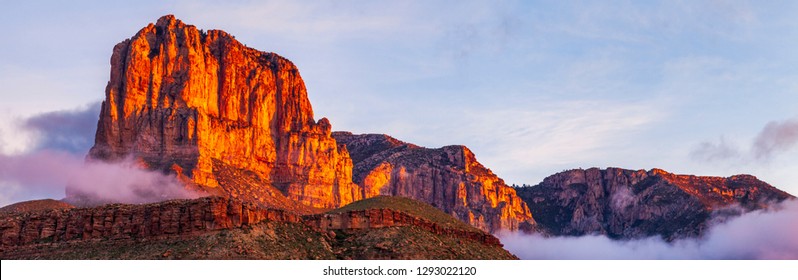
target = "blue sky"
x: 532, y: 87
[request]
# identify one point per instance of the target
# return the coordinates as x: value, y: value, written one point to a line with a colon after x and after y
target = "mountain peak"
x: 449, y: 178
x: 206, y: 106
x: 167, y: 20
x: 657, y: 171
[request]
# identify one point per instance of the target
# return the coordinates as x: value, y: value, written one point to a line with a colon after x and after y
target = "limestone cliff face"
x: 194, y: 103
x: 628, y: 204
x: 449, y: 178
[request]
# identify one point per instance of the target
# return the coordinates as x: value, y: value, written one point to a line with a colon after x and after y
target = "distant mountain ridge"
x: 628, y: 204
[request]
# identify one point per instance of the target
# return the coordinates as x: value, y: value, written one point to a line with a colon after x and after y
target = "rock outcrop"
x: 220, y: 228
x: 382, y: 218
x: 192, y: 103
x: 126, y: 221
x: 449, y: 178
x: 626, y: 204
x: 35, y: 205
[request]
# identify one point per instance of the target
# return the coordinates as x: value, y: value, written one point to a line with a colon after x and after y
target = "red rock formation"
x: 627, y: 204
x: 191, y: 102
x: 183, y: 218
x: 35, y: 205
x: 449, y: 178
x: 126, y: 221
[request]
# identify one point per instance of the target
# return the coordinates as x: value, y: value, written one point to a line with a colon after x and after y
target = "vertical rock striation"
x: 193, y: 103
x: 126, y: 221
x: 449, y: 178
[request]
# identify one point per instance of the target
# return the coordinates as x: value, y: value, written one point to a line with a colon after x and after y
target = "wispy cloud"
x: 774, y: 140
x: 46, y: 173
x: 713, y: 151
x: 54, y: 159
x: 777, y: 137
x: 67, y: 130
x: 531, y: 141
x: 568, y: 132
x: 762, y: 234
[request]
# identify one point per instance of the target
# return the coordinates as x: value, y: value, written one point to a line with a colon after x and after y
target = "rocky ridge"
x: 35, y: 205
x: 628, y: 204
x: 449, y: 178
x: 190, y: 219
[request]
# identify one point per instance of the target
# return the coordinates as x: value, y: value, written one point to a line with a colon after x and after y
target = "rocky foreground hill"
x: 222, y: 228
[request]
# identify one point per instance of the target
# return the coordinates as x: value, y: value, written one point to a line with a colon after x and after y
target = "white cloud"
x: 762, y: 234
x: 776, y: 139
x: 770, y: 155
x: 46, y: 173
x: 714, y: 151
x: 13, y: 140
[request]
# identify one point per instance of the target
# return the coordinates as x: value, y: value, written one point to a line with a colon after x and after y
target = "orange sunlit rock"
x: 449, y: 178
x: 202, y: 101
x: 236, y: 121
